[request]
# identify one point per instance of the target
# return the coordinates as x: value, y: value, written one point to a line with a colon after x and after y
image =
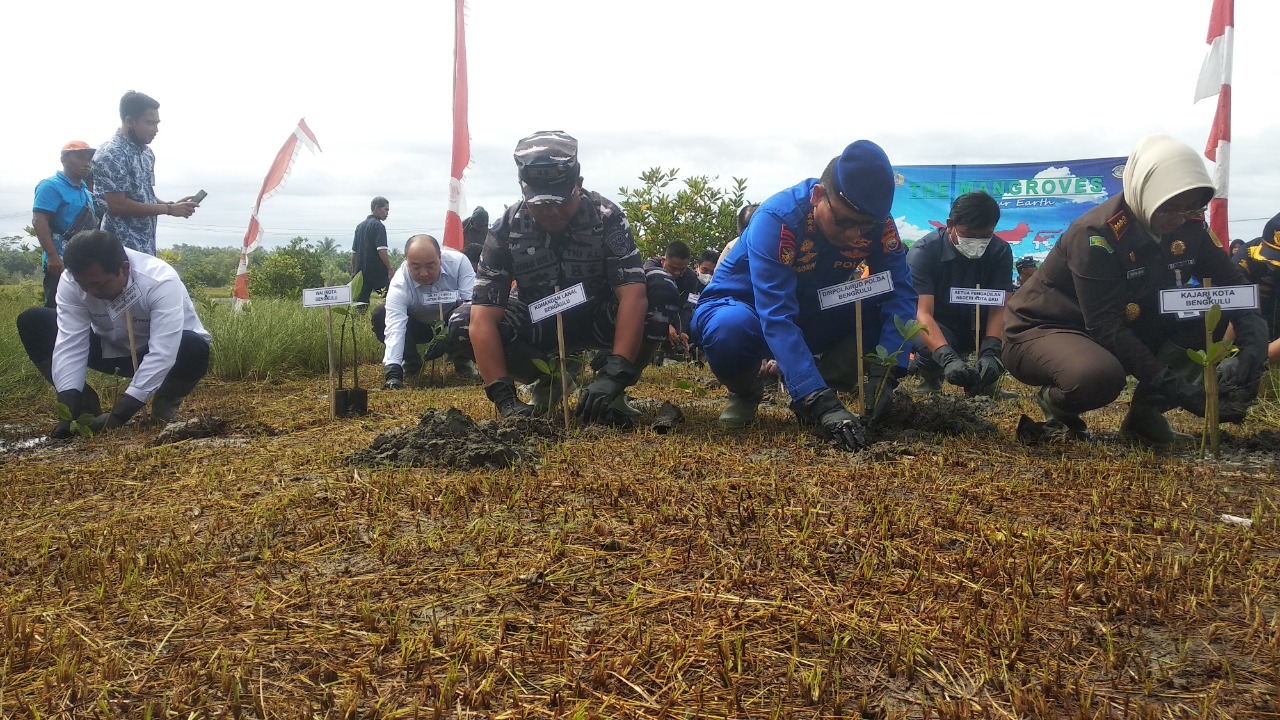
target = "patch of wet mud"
x: 450, y: 439
x: 937, y: 415
x: 193, y: 429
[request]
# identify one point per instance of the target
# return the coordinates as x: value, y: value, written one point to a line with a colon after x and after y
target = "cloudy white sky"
x: 767, y: 91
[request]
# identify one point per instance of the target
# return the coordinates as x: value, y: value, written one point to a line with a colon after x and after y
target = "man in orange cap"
x: 63, y: 207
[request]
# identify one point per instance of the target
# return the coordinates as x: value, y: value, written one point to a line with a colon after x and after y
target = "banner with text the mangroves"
x: 1038, y: 201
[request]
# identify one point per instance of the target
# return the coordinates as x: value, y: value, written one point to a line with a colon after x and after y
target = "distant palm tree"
x: 327, y: 247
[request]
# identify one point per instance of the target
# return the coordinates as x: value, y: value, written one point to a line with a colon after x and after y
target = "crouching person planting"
x: 119, y: 312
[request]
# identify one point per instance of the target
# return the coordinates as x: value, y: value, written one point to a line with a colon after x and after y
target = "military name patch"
x: 1119, y: 224
x: 889, y: 240
x: 1101, y: 242
x: 1135, y: 273
x: 786, y: 246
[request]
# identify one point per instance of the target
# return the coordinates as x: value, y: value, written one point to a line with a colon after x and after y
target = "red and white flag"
x: 1215, y: 79
x: 461, y: 133
x: 276, y: 176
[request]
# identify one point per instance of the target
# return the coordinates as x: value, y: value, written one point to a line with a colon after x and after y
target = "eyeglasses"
x: 1192, y: 214
x: 862, y: 226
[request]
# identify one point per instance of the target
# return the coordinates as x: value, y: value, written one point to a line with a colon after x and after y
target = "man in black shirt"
x: 370, y: 252
x: 964, y: 254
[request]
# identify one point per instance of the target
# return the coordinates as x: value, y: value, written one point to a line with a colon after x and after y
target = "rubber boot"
x: 745, y: 394
x: 464, y: 368
x: 1146, y: 422
x: 1053, y: 414
x: 164, y: 408
x: 545, y: 391
x: 167, y: 400
x: 839, y: 365
x: 89, y: 401
x: 412, y: 364
x: 930, y: 382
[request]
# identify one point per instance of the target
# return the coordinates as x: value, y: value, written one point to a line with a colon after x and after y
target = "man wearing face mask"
x: 763, y: 301
x: 558, y: 236
x: 961, y: 255
x: 1090, y: 316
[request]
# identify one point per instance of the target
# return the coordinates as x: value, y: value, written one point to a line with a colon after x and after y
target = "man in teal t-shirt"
x: 63, y: 206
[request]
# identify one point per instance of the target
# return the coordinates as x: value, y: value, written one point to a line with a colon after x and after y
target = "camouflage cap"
x: 547, y: 163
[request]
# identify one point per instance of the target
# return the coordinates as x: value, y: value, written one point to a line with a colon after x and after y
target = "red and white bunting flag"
x: 276, y: 176
x: 1215, y: 79
x: 461, y: 133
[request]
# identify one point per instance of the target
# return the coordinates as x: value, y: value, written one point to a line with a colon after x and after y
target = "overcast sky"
x: 768, y: 91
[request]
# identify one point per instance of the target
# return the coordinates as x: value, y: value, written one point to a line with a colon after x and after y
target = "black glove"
x: 436, y: 350
x: 1180, y: 393
x: 834, y: 422
x: 393, y: 377
x: 70, y: 399
x: 126, y: 406
x: 1246, y: 367
x: 953, y: 368
x: 990, y: 368
x: 880, y: 386
x: 502, y: 393
x: 617, y: 375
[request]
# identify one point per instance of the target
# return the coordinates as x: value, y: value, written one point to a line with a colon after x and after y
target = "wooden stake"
x: 133, y: 345
x: 442, y: 329
x: 977, y: 324
x: 1210, y: 385
x: 857, y: 330
x: 333, y: 381
x: 564, y: 378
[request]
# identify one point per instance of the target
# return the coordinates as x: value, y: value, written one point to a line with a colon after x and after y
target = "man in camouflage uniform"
x: 559, y: 236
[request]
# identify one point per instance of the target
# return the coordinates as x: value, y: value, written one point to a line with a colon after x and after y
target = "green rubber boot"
x: 930, y: 383
x: 1053, y: 414
x: 164, y: 407
x: 745, y: 394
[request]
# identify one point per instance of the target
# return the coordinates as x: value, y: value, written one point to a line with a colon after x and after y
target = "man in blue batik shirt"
x: 763, y: 299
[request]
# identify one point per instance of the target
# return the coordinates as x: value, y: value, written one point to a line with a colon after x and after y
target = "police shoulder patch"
x: 890, y: 242
x: 1119, y: 224
x: 786, y: 246
x: 1101, y: 242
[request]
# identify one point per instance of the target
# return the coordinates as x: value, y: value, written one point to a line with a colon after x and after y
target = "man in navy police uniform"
x: 763, y: 299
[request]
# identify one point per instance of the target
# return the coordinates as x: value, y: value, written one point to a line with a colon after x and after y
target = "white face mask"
x: 972, y: 248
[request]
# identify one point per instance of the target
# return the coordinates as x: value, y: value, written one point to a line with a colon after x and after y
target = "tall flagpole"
x: 1215, y: 79
x: 461, y: 132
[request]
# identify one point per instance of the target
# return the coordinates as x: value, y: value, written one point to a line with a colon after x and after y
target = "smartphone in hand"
x: 199, y: 197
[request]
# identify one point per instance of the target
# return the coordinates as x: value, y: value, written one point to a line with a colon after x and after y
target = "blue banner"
x: 1037, y: 200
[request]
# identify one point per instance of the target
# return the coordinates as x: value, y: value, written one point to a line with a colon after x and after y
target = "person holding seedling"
x: 962, y: 254
x: 558, y: 237
x: 123, y: 312
x: 765, y: 298
x: 1091, y: 315
x: 430, y: 284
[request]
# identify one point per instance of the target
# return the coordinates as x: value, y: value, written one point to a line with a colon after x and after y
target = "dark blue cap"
x: 864, y: 179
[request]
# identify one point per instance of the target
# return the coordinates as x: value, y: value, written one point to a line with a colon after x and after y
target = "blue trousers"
x: 733, y: 339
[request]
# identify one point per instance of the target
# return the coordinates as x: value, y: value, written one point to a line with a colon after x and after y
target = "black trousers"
x: 38, y: 329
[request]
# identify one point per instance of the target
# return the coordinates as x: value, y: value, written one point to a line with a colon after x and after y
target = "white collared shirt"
x: 161, y: 312
x: 425, y: 303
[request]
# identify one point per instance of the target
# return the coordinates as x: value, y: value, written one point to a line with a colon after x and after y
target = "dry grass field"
x: 699, y: 573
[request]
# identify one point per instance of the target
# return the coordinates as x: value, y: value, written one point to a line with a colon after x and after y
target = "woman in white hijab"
x: 1091, y: 316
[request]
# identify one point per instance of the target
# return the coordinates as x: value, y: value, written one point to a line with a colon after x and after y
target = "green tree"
x: 287, y: 271
x: 701, y: 215
x: 19, y: 259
